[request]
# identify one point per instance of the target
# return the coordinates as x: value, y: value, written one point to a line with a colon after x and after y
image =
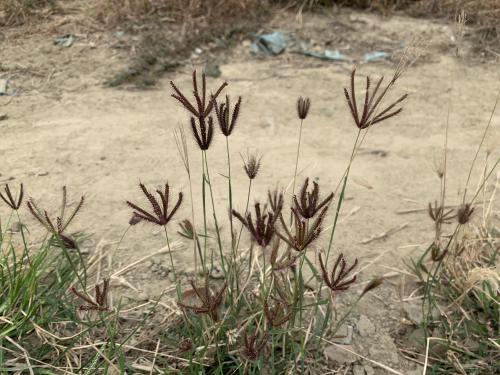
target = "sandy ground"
x: 65, y: 128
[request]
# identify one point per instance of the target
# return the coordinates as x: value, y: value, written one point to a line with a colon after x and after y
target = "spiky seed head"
x: 9, y: 198
x: 134, y: 220
x: 187, y: 229
x: 251, y: 165
x: 464, y: 213
x: 375, y: 283
x: 161, y: 213
x: 371, y: 114
x: 303, y: 105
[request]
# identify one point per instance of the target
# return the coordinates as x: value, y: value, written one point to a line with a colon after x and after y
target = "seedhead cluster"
x: 261, y: 306
x: 371, y: 114
x: 160, y: 216
x: 61, y: 223
x: 263, y: 300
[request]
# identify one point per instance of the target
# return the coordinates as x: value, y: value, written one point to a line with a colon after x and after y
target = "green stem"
x: 170, y: 253
x: 246, y: 210
x: 232, y: 270
x: 296, y: 163
x: 196, y: 249
x: 297, y: 157
x: 217, y: 231
x: 230, y: 192
x: 83, y: 281
x: 204, y: 258
x: 480, y: 145
x: 337, y: 213
x: 25, y: 244
x: 342, y: 195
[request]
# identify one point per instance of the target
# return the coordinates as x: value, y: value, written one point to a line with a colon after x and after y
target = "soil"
x: 64, y: 127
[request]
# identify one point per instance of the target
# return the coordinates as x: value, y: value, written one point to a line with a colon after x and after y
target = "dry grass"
x: 484, y: 13
x: 458, y: 274
x: 197, y: 13
x: 481, y: 13
x: 169, y: 30
x: 18, y: 12
x: 459, y: 279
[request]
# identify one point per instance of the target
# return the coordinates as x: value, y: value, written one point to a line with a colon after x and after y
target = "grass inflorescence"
x: 272, y: 309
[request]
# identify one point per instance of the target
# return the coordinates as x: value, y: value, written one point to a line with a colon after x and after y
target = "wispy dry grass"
x: 459, y: 273
x: 18, y: 12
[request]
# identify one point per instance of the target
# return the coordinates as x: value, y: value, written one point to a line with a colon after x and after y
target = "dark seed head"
x: 464, y: 213
x: 371, y: 113
x: 262, y: 228
x: 253, y: 345
x: 375, y: 283
x: 9, y: 198
x: 341, y: 277
x: 202, y: 104
x: 203, y: 131
x: 226, y: 120
x: 58, y: 226
x: 251, y: 165
x: 134, y: 220
x: 303, y: 105
x: 308, y: 203
x: 187, y: 229
x: 161, y: 212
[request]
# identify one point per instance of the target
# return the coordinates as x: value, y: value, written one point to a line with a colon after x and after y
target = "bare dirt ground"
x: 65, y: 128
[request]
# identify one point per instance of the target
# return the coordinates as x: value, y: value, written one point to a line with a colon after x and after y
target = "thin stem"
x: 204, y: 258
x: 170, y: 254
x: 196, y: 249
x: 485, y: 179
x: 445, y: 150
x: 83, y: 281
x: 297, y: 157
x: 230, y: 192
x: 217, y: 231
x: 246, y: 210
x: 480, y: 145
x: 25, y: 244
x: 341, y: 198
x: 233, y: 274
x: 337, y: 213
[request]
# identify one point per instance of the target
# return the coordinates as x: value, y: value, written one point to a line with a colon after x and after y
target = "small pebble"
x: 358, y: 370
x: 143, y: 296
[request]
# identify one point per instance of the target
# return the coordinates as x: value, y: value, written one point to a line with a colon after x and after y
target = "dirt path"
x: 102, y: 142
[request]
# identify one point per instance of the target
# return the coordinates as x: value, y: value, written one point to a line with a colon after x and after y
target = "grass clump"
x: 19, y: 12
x: 271, y: 309
x: 49, y: 322
x: 275, y: 305
x: 458, y: 277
